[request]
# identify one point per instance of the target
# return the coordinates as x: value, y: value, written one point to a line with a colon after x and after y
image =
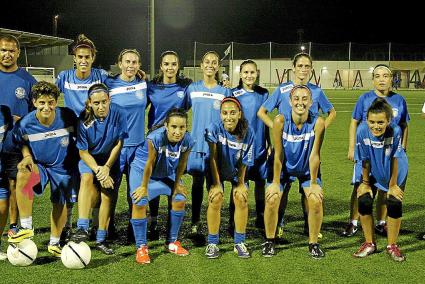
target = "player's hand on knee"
x: 396, y: 191
x: 139, y: 193
x: 215, y: 191
x: 180, y: 189
x: 363, y: 189
x: 272, y: 192
x: 241, y: 192
x: 316, y: 191
x: 102, y: 172
x: 27, y: 164
x: 107, y: 183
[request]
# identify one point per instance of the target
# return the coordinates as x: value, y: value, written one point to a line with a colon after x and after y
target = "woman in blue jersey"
x: 231, y: 143
x: 384, y: 168
x: 297, y: 138
x: 252, y: 97
x: 302, y: 67
x: 165, y: 91
x: 204, y: 97
x: 100, y: 138
x: 157, y: 169
x: 130, y: 92
x: 382, y: 76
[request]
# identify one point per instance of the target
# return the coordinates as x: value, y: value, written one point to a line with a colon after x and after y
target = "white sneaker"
x: 3, y: 256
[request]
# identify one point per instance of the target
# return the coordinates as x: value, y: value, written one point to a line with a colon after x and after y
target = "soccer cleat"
x: 381, y: 229
x: 13, y: 228
x: 212, y: 251
x: 142, y: 255
x: 365, y: 249
x: 104, y: 248
x: 268, y: 249
x: 395, y: 253
x: 177, y: 249
x: 66, y: 234
x: 315, y: 251
x: 55, y: 249
x: 241, y: 250
x: 3, y: 256
x: 81, y: 235
x: 20, y: 235
x: 350, y: 230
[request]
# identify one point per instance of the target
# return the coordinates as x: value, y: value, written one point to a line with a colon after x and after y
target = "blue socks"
x: 213, y: 239
x: 176, y: 221
x: 140, y: 227
x: 83, y: 224
x: 239, y: 238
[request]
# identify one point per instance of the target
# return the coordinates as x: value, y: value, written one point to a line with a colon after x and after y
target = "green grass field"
x: 292, y: 263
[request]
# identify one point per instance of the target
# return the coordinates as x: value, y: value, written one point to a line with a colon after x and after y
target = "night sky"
x: 114, y: 25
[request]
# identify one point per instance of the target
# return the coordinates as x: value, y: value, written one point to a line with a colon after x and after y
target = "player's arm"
x: 364, y: 186
x: 88, y: 160
x: 405, y: 130
x: 274, y: 188
x: 215, y: 189
x: 262, y: 114
x: 181, y: 167
x: 314, y: 159
x: 27, y: 161
x: 394, y: 189
x: 331, y: 117
x: 352, y: 138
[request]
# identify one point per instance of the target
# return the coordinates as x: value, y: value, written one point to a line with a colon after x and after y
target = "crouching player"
x: 297, y: 138
x: 384, y: 168
x: 156, y: 170
x: 231, y: 152
x: 47, y: 140
x: 100, y: 137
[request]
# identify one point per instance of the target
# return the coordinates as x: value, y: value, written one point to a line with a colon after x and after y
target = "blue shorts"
x: 259, y: 170
x: 156, y: 187
x: 114, y: 172
x: 196, y: 163
x: 126, y: 157
x: 4, y: 187
x: 64, y: 184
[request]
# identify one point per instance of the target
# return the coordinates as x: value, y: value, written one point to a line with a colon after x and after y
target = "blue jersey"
x: 379, y: 151
x: 75, y: 91
x: 205, y: 104
x: 164, y: 97
x: 52, y: 146
x: 397, y: 102
x: 281, y: 97
x: 168, y: 154
x: 100, y: 137
x: 231, y: 152
x: 297, y: 145
x: 251, y: 103
x: 15, y: 93
x: 131, y: 96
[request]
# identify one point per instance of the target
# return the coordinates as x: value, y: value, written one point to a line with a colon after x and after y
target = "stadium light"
x: 302, y: 47
x: 55, y: 25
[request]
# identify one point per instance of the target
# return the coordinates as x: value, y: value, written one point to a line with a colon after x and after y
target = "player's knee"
x: 365, y: 204
x: 240, y: 201
x: 216, y: 200
x: 86, y: 180
x: 394, y: 207
x: 178, y: 205
x: 273, y: 202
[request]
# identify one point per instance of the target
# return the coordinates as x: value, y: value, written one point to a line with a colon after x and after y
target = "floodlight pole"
x: 152, y: 37
x: 55, y: 25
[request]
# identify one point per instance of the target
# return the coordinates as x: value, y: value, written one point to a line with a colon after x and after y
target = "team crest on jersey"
x: 140, y: 95
x: 180, y: 94
x: 395, y: 112
x: 217, y: 104
x: 20, y: 93
x: 64, y: 141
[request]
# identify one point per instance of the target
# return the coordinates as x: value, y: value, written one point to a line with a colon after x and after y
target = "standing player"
x: 280, y: 99
x: 165, y: 91
x: 156, y: 170
x: 100, y: 137
x: 6, y: 124
x: 74, y: 84
x: 204, y: 97
x: 252, y: 97
x: 382, y: 79
x: 16, y: 84
x: 53, y: 128
x: 297, y: 138
x: 384, y: 168
x: 128, y: 91
x: 231, y: 143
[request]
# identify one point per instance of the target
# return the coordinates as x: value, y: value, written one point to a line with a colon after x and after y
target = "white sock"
x: 355, y: 222
x: 54, y: 240
x: 26, y: 222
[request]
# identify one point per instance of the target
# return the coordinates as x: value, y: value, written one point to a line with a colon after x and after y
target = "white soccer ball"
x: 76, y: 255
x: 23, y: 253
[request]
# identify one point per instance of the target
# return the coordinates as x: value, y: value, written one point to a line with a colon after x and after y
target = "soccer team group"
x: 84, y: 148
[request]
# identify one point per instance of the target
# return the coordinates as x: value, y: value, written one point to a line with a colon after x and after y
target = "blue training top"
x: 231, y: 152
x: 281, y: 97
x: 168, y: 154
x: 205, y: 104
x: 379, y: 151
x: 131, y: 96
x: 51, y: 146
x: 100, y: 137
x: 75, y: 90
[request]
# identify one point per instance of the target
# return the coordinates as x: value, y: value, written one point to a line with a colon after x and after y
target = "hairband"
x: 384, y: 67
x: 232, y: 99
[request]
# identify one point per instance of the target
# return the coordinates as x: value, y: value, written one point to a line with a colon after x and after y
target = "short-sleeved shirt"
x: 131, y: 96
x: 164, y: 97
x: 51, y: 146
x: 75, y: 91
x: 168, y: 154
x: 100, y: 137
x: 281, y: 97
x: 205, y: 104
x: 231, y: 151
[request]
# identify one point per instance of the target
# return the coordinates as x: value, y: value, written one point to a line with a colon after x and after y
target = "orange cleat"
x: 142, y: 255
x: 176, y: 248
